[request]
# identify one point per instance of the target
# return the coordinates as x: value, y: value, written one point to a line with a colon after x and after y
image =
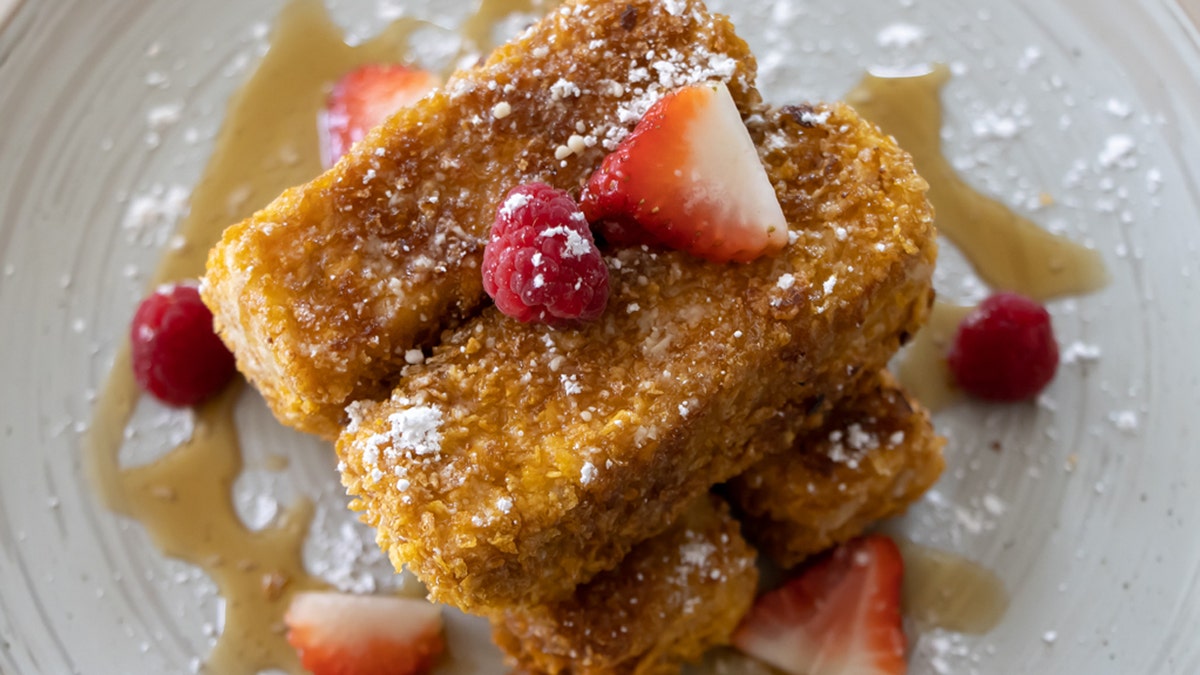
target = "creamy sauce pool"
x: 268, y: 143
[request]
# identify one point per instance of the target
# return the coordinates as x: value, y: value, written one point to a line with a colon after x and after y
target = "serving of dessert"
x: 543, y: 462
x: 601, y: 341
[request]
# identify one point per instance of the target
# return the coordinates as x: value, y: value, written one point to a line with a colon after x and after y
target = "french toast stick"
x: 519, y: 461
x: 670, y: 600
x: 876, y: 453
x: 322, y: 294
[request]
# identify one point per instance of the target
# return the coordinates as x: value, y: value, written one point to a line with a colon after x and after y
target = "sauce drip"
x: 1008, y: 251
x: 184, y: 499
x: 943, y: 590
x: 922, y: 368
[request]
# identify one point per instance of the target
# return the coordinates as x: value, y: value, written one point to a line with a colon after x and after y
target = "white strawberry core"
x: 352, y: 621
x: 728, y: 174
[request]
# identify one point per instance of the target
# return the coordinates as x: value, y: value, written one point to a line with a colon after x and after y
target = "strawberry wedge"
x: 363, y: 99
x: 343, y: 634
x: 840, y: 616
x: 688, y: 177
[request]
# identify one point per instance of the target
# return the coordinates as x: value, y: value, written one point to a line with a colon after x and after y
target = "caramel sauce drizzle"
x: 944, y: 590
x: 923, y: 369
x: 1008, y: 251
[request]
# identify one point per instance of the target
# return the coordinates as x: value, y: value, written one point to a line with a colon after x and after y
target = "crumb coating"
x: 876, y: 454
x: 321, y: 294
x: 672, y: 598
x: 520, y: 461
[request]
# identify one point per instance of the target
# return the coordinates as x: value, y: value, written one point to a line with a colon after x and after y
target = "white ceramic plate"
x: 1089, y: 512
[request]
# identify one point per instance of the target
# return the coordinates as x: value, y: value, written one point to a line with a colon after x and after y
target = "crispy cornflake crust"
x: 671, y: 599
x: 518, y: 449
x: 321, y: 294
x: 876, y: 454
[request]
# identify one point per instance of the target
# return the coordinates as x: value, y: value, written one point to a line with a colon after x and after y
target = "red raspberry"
x: 176, y: 355
x: 541, y: 263
x: 1005, y: 349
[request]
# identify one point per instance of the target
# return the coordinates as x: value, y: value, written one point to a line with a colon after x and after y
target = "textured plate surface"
x: 1088, y: 510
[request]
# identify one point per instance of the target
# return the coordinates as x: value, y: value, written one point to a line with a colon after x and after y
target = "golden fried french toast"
x: 519, y: 461
x: 323, y: 293
x: 670, y: 600
x: 876, y: 453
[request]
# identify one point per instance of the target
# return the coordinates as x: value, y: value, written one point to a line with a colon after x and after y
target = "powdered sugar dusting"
x: 656, y: 74
x: 152, y: 216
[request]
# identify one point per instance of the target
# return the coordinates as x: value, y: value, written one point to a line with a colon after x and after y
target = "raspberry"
x: 1005, y: 349
x: 176, y: 355
x: 541, y: 263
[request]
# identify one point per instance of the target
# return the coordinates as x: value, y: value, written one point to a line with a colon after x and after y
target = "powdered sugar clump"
x: 675, y: 7
x: 900, y: 35
x: 1117, y: 151
x: 570, y: 384
x: 576, y: 245
x: 1081, y: 352
x: 417, y: 429
x: 1124, y: 420
x: 413, y: 431
x: 515, y: 201
x: 563, y: 89
x: 160, y: 117
x: 697, y: 553
x: 813, y: 118
x: 847, y: 446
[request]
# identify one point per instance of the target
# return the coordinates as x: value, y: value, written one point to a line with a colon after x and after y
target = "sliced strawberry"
x: 688, y: 177
x: 363, y: 99
x: 343, y: 634
x: 840, y: 616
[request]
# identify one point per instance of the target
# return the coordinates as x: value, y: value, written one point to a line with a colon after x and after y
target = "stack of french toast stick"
x: 559, y: 481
